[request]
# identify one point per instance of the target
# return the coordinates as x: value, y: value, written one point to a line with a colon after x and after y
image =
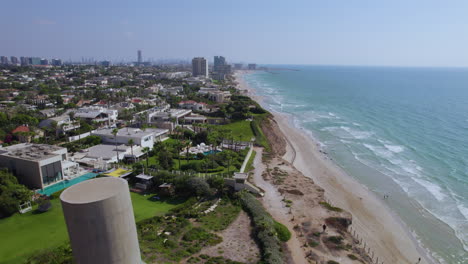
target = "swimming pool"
x: 211, y: 152
x: 65, y: 184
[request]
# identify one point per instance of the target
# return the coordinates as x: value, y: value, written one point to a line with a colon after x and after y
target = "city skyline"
x: 398, y: 33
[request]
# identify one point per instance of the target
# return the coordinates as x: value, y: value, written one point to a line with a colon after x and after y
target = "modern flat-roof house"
x: 97, y: 114
x: 35, y: 165
x: 64, y: 123
x: 143, y: 138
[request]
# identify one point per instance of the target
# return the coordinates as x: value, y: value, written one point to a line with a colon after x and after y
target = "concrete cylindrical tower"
x: 100, y: 222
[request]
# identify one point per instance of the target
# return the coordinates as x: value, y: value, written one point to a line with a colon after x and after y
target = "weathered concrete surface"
x: 100, y: 222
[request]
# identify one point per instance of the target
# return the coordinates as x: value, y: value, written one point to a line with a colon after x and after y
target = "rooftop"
x: 131, y: 132
x: 30, y: 151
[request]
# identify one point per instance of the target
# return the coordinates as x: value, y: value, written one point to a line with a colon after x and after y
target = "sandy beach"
x: 382, y: 231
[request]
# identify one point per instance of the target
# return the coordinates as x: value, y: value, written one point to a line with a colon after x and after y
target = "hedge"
x: 264, y: 229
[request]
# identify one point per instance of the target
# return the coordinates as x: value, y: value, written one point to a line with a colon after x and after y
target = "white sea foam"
x: 357, y: 134
x: 395, y: 148
x: 379, y: 151
x: 432, y: 188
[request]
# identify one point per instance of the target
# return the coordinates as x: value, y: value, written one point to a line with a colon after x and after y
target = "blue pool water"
x: 65, y: 184
x: 211, y: 152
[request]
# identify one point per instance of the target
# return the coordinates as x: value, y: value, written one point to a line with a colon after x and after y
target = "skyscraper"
x: 14, y: 60
x: 57, y: 62
x: 140, y: 59
x: 200, y: 67
x: 4, y: 60
x: 34, y: 61
x: 252, y: 66
x: 219, y: 62
x: 24, y: 61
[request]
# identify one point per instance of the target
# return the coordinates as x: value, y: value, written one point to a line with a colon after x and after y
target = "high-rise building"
x: 4, y: 60
x: 200, y: 67
x: 105, y: 63
x: 252, y: 66
x: 24, y: 61
x: 35, y: 61
x: 238, y: 66
x: 140, y: 59
x: 100, y: 222
x: 14, y: 60
x: 44, y: 62
x: 57, y: 62
x: 219, y: 62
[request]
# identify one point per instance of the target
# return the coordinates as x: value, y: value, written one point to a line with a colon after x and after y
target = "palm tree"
x: 131, y: 143
x: 114, y: 132
x: 146, y: 150
x: 178, y: 146
x: 187, y: 144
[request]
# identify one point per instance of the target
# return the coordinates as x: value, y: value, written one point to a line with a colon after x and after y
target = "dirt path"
x: 274, y: 205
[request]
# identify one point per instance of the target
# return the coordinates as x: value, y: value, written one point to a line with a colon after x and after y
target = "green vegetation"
x: 172, y: 238
x: 353, y: 257
x: 83, y: 143
x: 260, y: 138
x: 205, y: 259
x: 59, y: 255
x: 313, y: 243
x: 39, y: 230
x: 264, y: 229
x: 221, y: 218
x: 12, y: 194
x: 332, y: 262
x: 250, y: 166
x: 282, y: 231
x: 335, y: 239
x: 169, y: 240
x: 239, y: 130
x: 330, y: 207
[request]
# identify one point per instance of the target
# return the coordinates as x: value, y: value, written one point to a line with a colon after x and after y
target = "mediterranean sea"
x: 402, y: 132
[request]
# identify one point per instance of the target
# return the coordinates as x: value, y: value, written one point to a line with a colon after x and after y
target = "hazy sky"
x: 346, y: 32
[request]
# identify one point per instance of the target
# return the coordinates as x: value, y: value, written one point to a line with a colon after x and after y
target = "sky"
x: 324, y: 32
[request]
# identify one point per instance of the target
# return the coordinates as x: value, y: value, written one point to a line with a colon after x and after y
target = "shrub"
x: 338, y: 222
x: 351, y: 256
x: 264, y: 228
x: 335, y: 239
x: 199, y: 186
x: 330, y: 207
x: 332, y: 262
x: 282, y: 231
x: 59, y: 255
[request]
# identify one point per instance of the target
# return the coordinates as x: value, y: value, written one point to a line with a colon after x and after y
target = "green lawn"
x: 22, y: 235
x: 240, y: 128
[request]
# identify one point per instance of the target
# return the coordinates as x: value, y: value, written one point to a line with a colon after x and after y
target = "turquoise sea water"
x: 400, y: 131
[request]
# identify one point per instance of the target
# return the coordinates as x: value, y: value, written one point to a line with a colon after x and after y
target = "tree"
x: 12, y: 194
x: 178, y: 148
x: 131, y: 143
x: 165, y: 159
x: 199, y: 186
x: 114, y: 132
x: 146, y: 150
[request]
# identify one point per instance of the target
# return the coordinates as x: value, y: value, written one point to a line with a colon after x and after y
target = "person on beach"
x: 324, y: 228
